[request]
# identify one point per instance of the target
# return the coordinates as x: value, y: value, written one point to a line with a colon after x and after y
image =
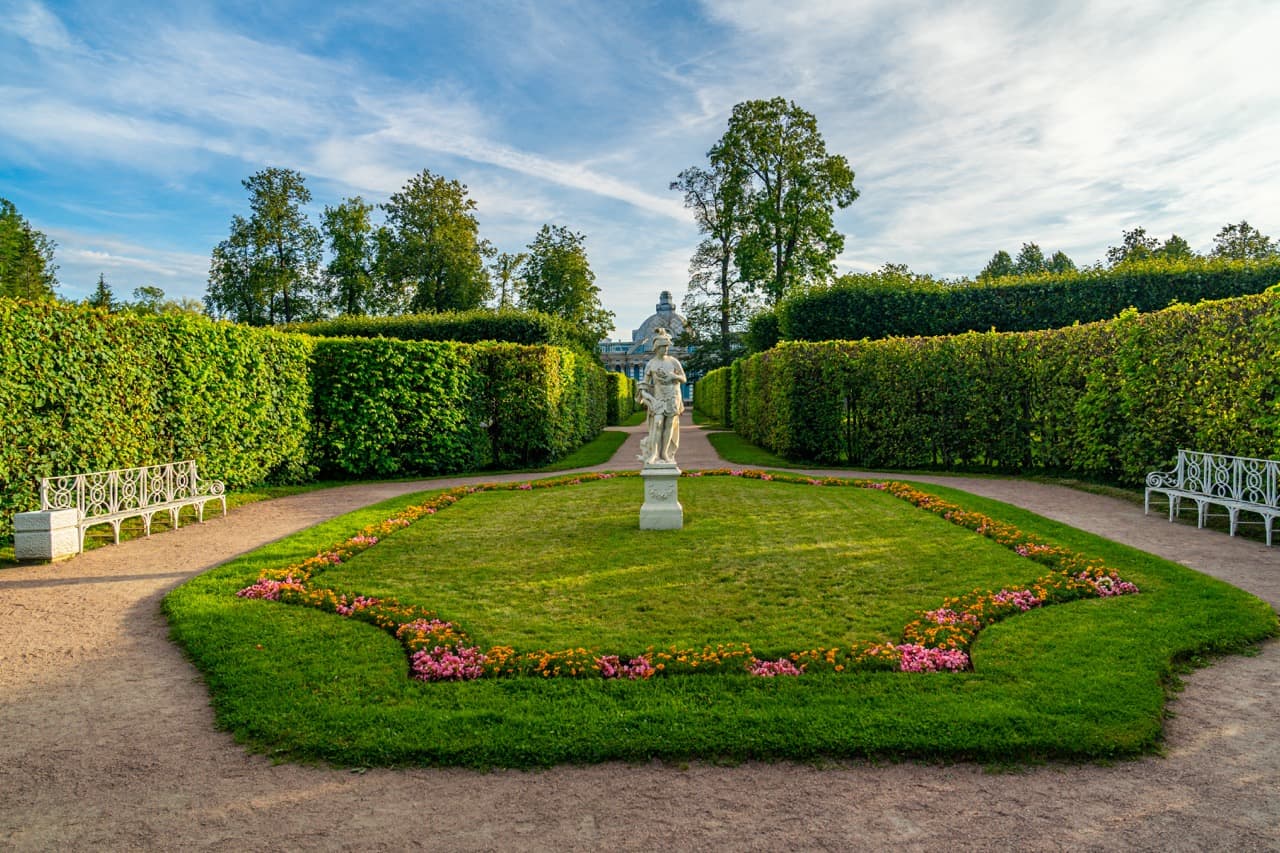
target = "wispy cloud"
x: 973, y: 126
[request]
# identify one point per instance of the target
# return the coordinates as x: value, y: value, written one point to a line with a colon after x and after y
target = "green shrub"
x: 867, y: 308
x: 1112, y: 400
x: 711, y: 395
x: 83, y: 390
x: 542, y: 402
x: 387, y: 408
x: 620, y: 397
x: 510, y: 326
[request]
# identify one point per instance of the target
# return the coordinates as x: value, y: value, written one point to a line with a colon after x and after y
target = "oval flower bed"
x: 937, y: 641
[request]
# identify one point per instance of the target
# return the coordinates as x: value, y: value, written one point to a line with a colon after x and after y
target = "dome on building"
x: 664, y: 318
x: 630, y: 357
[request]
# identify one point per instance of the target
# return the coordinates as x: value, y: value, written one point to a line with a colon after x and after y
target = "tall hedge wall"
x: 542, y: 402
x: 511, y: 326
x: 620, y: 393
x: 1111, y: 400
x: 1044, y: 301
x: 82, y: 390
x: 712, y: 395
x: 387, y: 408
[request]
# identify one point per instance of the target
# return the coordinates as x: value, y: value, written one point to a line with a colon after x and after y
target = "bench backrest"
x: 1240, y: 478
x: 104, y: 493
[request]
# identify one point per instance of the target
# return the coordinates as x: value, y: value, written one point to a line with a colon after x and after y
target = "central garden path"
x: 107, y: 740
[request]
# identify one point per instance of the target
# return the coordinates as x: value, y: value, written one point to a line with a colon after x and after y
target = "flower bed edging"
x: 937, y: 641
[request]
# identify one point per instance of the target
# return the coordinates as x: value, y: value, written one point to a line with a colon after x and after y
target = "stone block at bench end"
x: 46, y: 536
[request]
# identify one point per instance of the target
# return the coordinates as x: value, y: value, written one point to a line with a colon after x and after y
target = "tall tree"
x: 1175, y: 249
x: 266, y: 271
x: 351, y: 274
x: 999, y: 265
x: 27, y: 270
x: 557, y: 279
x: 1243, y: 242
x: 1060, y: 263
x: 148, y: 299
x: 505, y: 274
x: 1136, y: 246
x: 432, y: 251
x: 789, y: 187
x: 1030, y: 260
x: 718, y: 303
x: 102, y: 296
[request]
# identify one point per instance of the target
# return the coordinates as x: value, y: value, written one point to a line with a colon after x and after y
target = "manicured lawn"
x: 782, y: 568
x: 778, y: 564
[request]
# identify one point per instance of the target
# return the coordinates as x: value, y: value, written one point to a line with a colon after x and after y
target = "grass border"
x: 937, y: 640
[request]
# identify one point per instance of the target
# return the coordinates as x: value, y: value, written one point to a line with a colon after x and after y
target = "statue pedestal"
x: 661, y: 509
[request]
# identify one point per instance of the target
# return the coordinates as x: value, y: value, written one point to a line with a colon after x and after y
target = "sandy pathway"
x: 107, y: 740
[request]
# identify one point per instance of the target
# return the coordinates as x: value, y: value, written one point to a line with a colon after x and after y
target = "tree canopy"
x: 27, y: 270
x: 557, y: 280
x: 776, y: 164
x: 1243, y: 242
x: 718, y: 303
x: 1030, y: 260
x: 432, y: 253
x: 266, y: 271
x: 351, y: 276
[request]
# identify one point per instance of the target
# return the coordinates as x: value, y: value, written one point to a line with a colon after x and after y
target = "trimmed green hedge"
x: 543, y: 402
x: 1110, y: 400
x: 712, y: 395
x: 83, y: 390
x: 1043, y: 301
x: 620, y: 394
x: 511, y: 326
x: 388, y: 408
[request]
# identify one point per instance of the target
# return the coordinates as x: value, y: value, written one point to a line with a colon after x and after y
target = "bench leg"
x: 1234, y: 515
x: 115, y: 525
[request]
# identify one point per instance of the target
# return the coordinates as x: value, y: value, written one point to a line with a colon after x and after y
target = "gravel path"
x: 108, y: 740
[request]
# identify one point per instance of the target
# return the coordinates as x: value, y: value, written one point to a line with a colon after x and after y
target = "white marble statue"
x: 659, y: 392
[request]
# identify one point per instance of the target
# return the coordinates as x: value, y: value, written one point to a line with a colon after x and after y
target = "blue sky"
x: 126, y: 128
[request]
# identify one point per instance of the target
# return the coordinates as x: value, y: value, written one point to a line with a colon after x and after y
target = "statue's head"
x: 661, y: 340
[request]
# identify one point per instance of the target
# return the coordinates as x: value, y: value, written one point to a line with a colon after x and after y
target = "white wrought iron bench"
x: 109, y: 497
x: 1235, y: 483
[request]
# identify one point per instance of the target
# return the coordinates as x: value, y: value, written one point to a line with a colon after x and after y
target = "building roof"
x: 665, y: 317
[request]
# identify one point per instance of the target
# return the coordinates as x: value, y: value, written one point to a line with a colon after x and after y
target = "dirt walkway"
x: 108, y: 741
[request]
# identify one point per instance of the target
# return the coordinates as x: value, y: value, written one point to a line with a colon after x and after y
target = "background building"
x: 630, y: 357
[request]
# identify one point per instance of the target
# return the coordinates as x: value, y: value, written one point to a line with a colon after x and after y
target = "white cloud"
x: 36, y: 25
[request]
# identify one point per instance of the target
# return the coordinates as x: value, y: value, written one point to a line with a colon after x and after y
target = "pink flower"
x: 772, y: 668
x: 610, y: 666
x: 268, y: 589
x: 1108, y: 585
x: 459, y: 663
x: 916, y: 658
x: 947, y: 616
x: 360, y: 602
x: 1023, y: 599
